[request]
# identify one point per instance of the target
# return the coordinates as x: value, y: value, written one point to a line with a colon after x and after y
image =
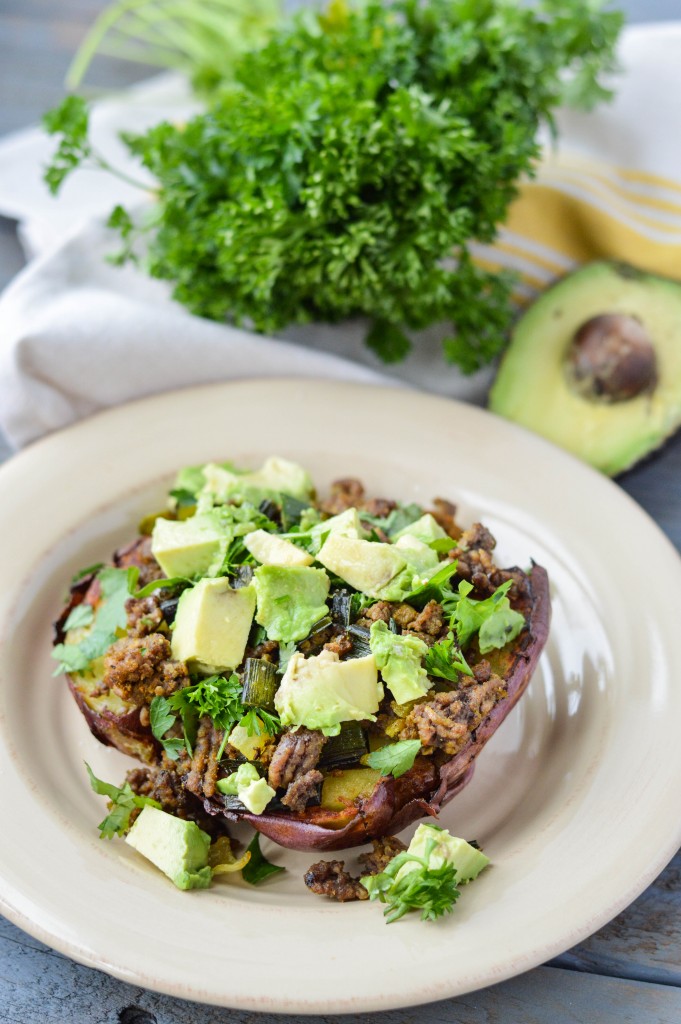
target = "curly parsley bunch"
x: 357, y: 155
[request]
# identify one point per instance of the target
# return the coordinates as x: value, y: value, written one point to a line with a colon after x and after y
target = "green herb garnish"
x: 109, y: 619
x: 117, y: 821
x: 493, y: 619
x: 354, y: 160
x: 89, y: 570
x: 82, y: 615
x: 396, y: 758
x: 431, y: 890
x: 161, y: 719
x: 256, y: 722
x: 446, y: 661
x: 258, y: 867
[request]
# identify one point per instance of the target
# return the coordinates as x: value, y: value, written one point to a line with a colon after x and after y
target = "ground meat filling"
x: 428, y: 625
x: 165, y: 786
x: 329, y: 877
x: 340, y: 645
x: 302, y: 790
x: 384, y: 849
x: 445, y: 722
x: 139, y: 554
x: 141, y: 668
x: 296, y: 756
x: 144, y: 615
x: 202, y: 773
x: 349, y: 493
x: 444, y: 513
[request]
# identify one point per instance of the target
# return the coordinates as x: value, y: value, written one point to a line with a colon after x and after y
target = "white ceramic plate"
x: 574, y: 798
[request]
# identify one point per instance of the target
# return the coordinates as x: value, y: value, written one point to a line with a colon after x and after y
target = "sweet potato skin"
x: 394, y: 803
x: 115, y: 728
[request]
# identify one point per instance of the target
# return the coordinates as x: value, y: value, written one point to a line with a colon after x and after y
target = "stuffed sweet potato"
x: 326, y: 671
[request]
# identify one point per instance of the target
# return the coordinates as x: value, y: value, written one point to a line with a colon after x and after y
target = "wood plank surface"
x: 630, y: 971
x: 39, y: 986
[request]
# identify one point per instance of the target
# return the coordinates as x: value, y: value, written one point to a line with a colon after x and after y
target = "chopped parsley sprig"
x: 493, y: 619
x: 123, y: 803
x: 445, y: 660
x: 432, y: 890
x: 373, y: 145
x: 396, y: 758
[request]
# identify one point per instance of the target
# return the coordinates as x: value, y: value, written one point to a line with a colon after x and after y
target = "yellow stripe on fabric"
x: 517, y: 250
x: 607, y: 194
x: 580, y: 231
x: 621, y: 181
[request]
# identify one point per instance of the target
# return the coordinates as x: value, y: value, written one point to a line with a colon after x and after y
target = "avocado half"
x: 594, y: 365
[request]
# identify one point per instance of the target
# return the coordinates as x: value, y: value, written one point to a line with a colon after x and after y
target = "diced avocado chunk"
x: 178, y: 848
x: 419, y: 556
x: 322, y: 692
x: 212, y: 624
x: 249, y: 787
x: 345, y: 524
x: 275, y: 476
x: 190, y: 547
x: 399, y: 659
x: 425, y: 529
x: 366, y: 565
x: 290, y: 600
x: 249, y: 746
x: 269, y: 549
x: 448, y: 849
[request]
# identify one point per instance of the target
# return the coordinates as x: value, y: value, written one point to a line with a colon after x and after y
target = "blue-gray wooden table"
x: 629, y: 972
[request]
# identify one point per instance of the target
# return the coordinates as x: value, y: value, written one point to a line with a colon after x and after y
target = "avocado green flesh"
x: 532, y: 387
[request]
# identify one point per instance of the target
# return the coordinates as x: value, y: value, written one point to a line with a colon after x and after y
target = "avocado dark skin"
x: 594, y: 365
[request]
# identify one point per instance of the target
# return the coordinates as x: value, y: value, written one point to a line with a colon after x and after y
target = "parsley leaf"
x: 445, y: 660
x: 217, y: 697
x: 81, y: 615
x: 396, y: 519
x: 256, y: 722
x: 493, y: 619
x: 432, y: 588
x: 124, y: 801
x: 110, y: 618
x: 396, y: 758
x: 258, y: 867
x: 432, y: 890
x: 89, y: 570
x: 71, y: 121
x: 286, y: 652
x: 354, y: 161
x: 161, y: 719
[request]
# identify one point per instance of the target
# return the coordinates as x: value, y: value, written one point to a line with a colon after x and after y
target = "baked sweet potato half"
x: 409, y: 678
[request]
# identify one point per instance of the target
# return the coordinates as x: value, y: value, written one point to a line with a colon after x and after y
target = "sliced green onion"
x: 260, y: 684
x: 346, y: 748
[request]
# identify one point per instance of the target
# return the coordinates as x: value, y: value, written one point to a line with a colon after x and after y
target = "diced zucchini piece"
x: 342, y: 788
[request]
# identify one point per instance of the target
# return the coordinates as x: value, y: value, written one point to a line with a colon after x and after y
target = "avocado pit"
x: 612, y: 359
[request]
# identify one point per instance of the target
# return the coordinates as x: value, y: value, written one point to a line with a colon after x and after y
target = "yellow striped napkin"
x: 612, y: 187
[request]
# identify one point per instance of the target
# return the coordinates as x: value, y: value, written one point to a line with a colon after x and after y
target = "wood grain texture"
x: 630, y: 971
x: 39, y: 985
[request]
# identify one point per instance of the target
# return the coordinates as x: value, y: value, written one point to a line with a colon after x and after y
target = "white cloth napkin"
x: 77, y: 334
